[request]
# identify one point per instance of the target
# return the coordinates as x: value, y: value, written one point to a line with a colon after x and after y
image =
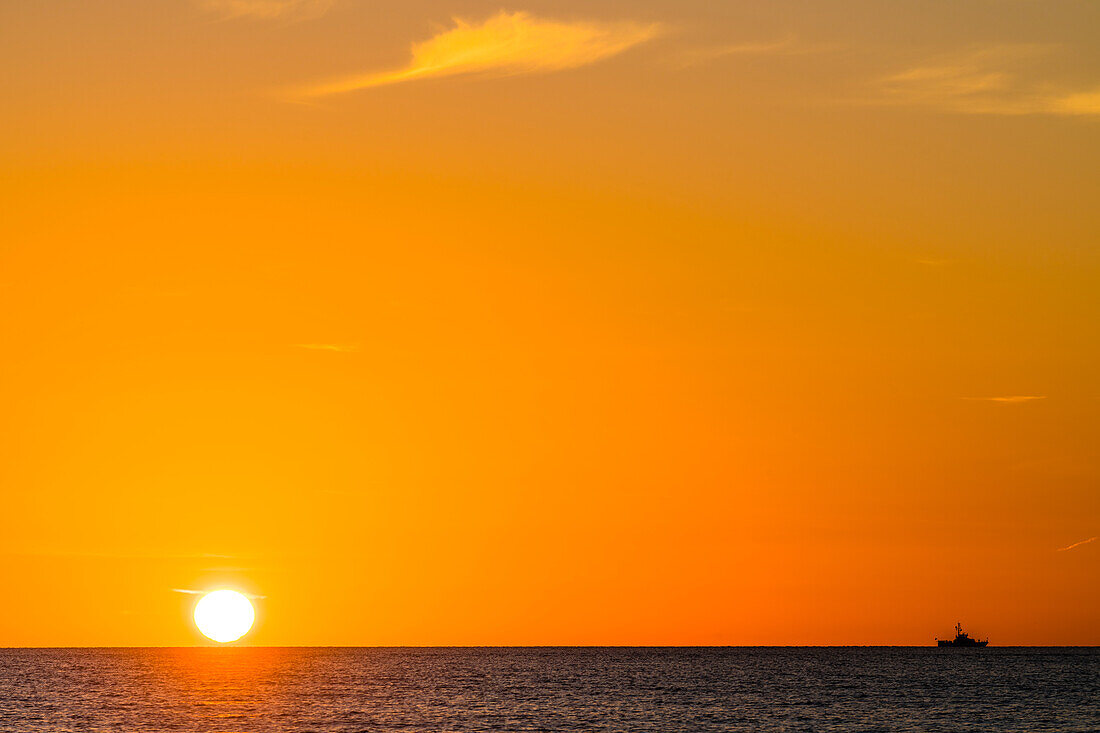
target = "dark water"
x: 752, y: 689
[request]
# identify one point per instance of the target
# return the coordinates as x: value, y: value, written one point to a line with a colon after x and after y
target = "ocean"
x: 550, y: 689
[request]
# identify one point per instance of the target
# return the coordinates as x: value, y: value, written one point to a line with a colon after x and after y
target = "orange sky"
x: 562, y: 323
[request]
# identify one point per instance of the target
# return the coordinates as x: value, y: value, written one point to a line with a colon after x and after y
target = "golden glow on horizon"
x: 224, y: 615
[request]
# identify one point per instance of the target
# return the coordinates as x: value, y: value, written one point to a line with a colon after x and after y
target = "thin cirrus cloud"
x: 1078, y: 544
x: 268, y: 9
x: 192, y: 592
x: 789, y: 45
x: 505, y: 44
x: 994, y: 80
x: 1009, y: 399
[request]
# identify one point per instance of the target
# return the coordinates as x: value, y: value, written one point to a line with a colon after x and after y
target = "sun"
x: 224, y: 615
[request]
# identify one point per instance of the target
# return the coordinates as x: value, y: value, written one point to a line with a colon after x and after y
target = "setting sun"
x: 224, y: 615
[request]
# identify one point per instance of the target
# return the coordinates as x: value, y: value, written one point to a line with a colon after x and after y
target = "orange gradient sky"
x: 557, y: 323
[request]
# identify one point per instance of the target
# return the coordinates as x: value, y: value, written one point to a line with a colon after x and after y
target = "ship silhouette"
x: 961, y: 639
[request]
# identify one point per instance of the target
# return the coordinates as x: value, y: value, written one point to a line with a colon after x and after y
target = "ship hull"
x: 967, y: 644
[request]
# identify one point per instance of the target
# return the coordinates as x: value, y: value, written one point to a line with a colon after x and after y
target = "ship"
x: 961, y: 639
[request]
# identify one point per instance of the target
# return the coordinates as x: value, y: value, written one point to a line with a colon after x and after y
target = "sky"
x: 597, y: 322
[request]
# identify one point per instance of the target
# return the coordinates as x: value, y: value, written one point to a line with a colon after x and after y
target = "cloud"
x: 506, y: 44
x: 1078, y: 103
x: 1078, y: 544
x: 787, y: 46
x: 342, y: 348
x: 191, y: 592
x: 268, y: 9
x: 1011, y: 399
x: 994, y: 80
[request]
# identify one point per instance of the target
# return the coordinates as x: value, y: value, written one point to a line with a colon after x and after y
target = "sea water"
x: 550, y: 689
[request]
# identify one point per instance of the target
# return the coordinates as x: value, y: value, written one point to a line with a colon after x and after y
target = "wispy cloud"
x: 268, y: 9
x: 192, y: 592
x: 1078, y: 103
x: 1010, y: 399
x: 506, y: 44
x: 341, y: 348
x: 789, y: 45
x: 993, y: 80
x: 1078, y: 544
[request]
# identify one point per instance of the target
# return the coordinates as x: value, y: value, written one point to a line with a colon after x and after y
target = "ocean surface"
x: 550, y: 689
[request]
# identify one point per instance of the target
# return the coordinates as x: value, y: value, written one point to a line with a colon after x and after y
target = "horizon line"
x: 549, y: 646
